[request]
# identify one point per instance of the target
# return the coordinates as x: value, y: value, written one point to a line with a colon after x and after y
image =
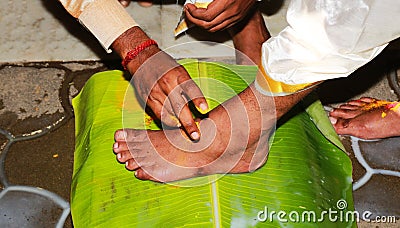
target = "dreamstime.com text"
x: 332, y: 215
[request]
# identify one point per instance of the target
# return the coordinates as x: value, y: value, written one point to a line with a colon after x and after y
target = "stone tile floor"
x: 37, y: 139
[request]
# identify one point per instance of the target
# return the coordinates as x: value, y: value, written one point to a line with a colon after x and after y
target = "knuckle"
x: 167, y: 79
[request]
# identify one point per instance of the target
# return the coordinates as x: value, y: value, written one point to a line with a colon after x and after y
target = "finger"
x: 206, y: 19
x: 198, y: 22
x: 221, y: 26
x: 163, y: 110
x: 194, y: 94
x: 206, y: 14
x: 221, y: 22
x: 181, y: 109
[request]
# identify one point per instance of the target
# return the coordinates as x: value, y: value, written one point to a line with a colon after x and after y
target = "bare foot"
x: 367, y: 118
x: 234, y: 136
x: 234, y: 140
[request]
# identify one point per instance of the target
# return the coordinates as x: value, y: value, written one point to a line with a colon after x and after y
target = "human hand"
x: 219, y: 14
x: 161, y: 82
x: 166, y: 87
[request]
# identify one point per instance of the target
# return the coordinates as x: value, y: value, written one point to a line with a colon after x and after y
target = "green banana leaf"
x: 305, y: 171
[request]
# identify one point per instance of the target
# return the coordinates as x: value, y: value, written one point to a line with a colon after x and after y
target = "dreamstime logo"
x: 339, y: 215
x: 162, y: 155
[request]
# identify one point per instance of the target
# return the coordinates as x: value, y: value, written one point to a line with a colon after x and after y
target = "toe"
x: 120, y: 135
x: 131, y: 164
x: 344, y: 113
x: 342, y: 126
x: 367, y: 99
x: 120, y: 146
x: 143, y: 175
x: 124, y: 156
x: 130, y: 135
x: 348, y: 106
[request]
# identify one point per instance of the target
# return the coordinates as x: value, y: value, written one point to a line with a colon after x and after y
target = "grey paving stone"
x: 383, y: 154
x: 380, y: 195
x: 44, y: 31
x: 364, y: 224
x: 358, y: 170
x: 29, y: 98
x: 3, y: 142
x: 79, y: 66
x: 44, y: 162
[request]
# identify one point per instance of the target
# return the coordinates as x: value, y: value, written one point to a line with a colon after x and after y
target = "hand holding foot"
x: 235, y: 140
x: 161, y: 82
x: 367, y: 118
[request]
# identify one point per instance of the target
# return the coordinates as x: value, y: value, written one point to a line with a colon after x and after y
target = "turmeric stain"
x: 375, y: 105
x: 148, y: 120
x: 386, y: 105
x: 394, y: 106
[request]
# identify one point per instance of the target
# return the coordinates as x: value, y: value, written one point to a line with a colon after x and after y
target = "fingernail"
x: 203, y: 108
x: 195, y: 135
x: 178, y: 124
x: 115, y: 145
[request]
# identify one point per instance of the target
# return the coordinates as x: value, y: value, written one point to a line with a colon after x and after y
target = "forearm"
x: 130, y: 39
x: 105, y: 19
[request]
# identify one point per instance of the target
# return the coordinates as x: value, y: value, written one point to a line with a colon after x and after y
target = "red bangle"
x: 133, y: 53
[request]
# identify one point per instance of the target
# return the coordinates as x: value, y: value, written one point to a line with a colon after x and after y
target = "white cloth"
x: 329, y: 39
x: 105, y: 19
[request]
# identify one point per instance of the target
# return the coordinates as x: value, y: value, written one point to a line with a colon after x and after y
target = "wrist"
x: 130, y: 40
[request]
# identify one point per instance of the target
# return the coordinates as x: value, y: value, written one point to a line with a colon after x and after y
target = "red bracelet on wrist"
x: 133, y: 53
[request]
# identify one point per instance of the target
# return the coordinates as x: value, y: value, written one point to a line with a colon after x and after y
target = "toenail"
x: 122, y: 134
x: 116, y: 145
x: 119, y: 156
x: 195, y: 135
